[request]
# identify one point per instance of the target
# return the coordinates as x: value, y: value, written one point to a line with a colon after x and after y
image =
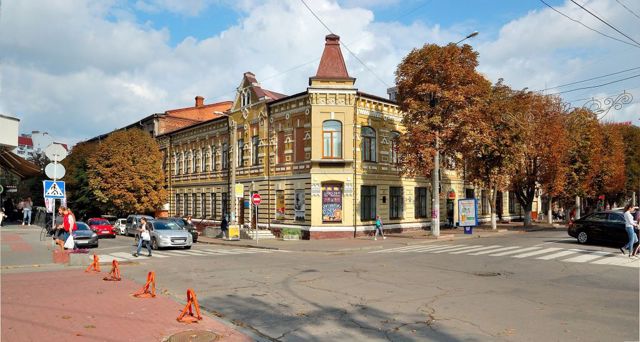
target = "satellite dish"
x: 55, y: 152
x: 54, y: 170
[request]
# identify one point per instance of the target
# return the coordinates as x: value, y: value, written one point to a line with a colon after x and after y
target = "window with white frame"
x: 332, y: 139
x: 368, y: 144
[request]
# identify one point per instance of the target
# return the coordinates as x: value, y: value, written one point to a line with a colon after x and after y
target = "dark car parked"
x: 84, y: 236
x: 189, y: 227
x: 605, y: 226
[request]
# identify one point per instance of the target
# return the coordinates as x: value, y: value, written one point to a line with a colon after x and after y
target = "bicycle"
x: 46, y: 231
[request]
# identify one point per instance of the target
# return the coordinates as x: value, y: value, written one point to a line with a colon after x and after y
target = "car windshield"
x: 178, y: 221
x: 82, y: 226
x: 101, y: 222
x: 166, y: 226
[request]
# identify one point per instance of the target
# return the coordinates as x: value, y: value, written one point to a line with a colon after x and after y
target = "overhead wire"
x: 590, y: 79
x: 596, y: 86
x: 628, y: 9
x: 592, y: 29
x: 605, y: 22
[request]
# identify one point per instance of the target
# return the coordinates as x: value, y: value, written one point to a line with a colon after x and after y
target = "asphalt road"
x: 538, y: 286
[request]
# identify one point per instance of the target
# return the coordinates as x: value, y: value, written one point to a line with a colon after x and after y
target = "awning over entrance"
x: 17, y: 165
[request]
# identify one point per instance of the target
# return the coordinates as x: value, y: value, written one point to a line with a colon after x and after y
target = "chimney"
x: 199, y: 101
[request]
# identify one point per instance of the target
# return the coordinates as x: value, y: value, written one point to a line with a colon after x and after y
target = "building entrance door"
x: 450, y: 209
x: 241, y: 216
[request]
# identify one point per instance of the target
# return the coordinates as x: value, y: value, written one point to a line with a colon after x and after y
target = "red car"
x: 101, y: 227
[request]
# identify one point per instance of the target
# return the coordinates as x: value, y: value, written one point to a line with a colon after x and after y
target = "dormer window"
x: 245, y: 98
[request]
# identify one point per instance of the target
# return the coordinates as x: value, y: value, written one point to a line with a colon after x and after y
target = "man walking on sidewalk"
x: 378, y: 229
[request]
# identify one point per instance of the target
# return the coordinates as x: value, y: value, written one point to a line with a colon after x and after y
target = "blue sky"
x: 81, y: 68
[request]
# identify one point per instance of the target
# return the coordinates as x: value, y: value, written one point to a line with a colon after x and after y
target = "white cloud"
x: 80, y: 69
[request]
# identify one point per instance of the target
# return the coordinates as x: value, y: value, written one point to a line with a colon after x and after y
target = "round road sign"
x: 256, y: 199
x: 55, y: 152
x: 54, y: 170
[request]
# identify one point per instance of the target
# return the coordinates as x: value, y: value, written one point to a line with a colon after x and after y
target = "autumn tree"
x: 611, y: 180
x: 490, y: 142
x: 437, y: 86
x: 80, y: 197
x: 125, y: 173
x: 631, y: 139
x: 540, y: 158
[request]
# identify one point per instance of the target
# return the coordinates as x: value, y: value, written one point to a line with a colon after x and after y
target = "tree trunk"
x: 550, y: 211
x: 492, y: 207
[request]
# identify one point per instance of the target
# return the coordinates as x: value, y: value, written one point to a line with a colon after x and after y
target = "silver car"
x: 165, y: 233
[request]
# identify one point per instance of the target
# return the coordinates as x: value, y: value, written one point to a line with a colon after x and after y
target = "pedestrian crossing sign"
x: 53, y: 189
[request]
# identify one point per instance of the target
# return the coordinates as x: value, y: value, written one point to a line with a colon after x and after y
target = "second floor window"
x: 255, y: 143
x: 280, y: 147
x: 395, y: 139
x: 214, y: 158
x: 332, y: 139
x: 240, y: 152
x: 225, y: 156
x: 205, y: 159
x: 368, y: 144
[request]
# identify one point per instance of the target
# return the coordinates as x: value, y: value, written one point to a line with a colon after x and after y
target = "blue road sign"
x: 53, y: 189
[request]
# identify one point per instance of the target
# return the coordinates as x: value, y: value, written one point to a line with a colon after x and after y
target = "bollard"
x: 151, y: 282
x: 95, y: 265
x: 114, y: 275
x: 191, y: 300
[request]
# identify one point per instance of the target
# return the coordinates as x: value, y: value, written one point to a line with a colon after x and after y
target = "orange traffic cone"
x: 95, y: 265
x: 191, y: 299
x: 151, y: 282
x: 114, y: 275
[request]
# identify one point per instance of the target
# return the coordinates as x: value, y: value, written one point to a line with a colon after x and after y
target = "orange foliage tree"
x: 125, y: 173
x: 611, y: 180
x: 540, y: 159
x: 437, y: 86
x: 80, y: 198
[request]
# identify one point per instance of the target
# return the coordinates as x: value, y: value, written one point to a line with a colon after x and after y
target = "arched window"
x: 193, y: 161
x: 176, y: 163
x: 205, y: 159
x: 395, y: 140
x: 368, y: 144
x: 182, y: 165
x: 332, y: 139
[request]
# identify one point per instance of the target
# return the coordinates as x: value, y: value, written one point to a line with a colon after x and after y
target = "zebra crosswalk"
x: 124, y: 256
x: 573, y: 255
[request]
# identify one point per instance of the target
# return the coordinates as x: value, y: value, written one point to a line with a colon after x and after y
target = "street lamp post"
x: 435, y: 212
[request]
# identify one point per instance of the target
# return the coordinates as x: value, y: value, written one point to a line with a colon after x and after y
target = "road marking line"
x: 195, y: 251
x: 158, y: 255
x: 187, y: 253
x: 172, y: 253
x: 243, y: 251
x: 456, y: 248
x: 546, y: 250
x: 614, y: 260
x: 495, y: 250
x: 557, y: 255
x: 124, y: 255
x: 208, y: 251
x: 476, y: 249
x: 588, y: 257
x: 397, y: 249
x: 515, y: 252
x: 424, y: 249
x: 430, y: 249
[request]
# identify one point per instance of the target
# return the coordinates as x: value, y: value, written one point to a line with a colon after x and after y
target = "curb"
x: 222, y: 243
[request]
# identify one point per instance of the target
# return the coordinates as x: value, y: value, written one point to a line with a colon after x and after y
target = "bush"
x: 290, y: 231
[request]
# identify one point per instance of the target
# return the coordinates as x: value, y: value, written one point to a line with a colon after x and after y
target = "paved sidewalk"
x: 393, y: 239
x: 72, y: 305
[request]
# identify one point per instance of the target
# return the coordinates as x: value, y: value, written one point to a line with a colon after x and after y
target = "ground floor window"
x: 421, y: 202
x: 225, y: 205
x: 193, y: 204
x: 396, y: 205
x: 332, y: 203
x: 512, y: 202
x: 298, y: 205
x: 177, y: 204
x: 485, y: 202
x: 280, y: 207
x: 203, y: 205
x: 214, y: 204
x: 367, y: 203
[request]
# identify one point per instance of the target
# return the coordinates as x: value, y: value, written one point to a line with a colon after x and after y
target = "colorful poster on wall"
x: 332, y: 203
x: 280, y: 205
x: 298, y: 205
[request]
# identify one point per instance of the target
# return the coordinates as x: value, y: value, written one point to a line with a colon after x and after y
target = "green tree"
x: 631, y: 139
x: 79, y: 195
x: 125, y: 173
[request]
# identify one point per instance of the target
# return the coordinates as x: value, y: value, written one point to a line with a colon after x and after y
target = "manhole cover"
x: 193, y: 336
x: 487, y: 274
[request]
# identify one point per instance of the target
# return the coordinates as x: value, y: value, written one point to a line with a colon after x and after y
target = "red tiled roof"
x: 332, y: 63
x: 258, y: 90
x: 26, y: 141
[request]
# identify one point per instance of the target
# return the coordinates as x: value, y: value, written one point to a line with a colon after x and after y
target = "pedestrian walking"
x: 2, y: 216
x: 68, y: 226
x: 224, y: 227
x: 27, y: 207
x: 189, y: 220
x: 629, y: 225
x: 378, y: 229
x: 145, y: 237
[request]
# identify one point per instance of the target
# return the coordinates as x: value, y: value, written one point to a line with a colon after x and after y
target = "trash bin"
x: 468, y: 230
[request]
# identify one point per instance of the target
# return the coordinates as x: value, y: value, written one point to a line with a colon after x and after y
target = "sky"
x: 78, y: 69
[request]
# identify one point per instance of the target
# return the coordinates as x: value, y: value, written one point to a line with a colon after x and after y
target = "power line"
x: 628, y: 9
x: 596, y: 86
x: 606, y: 23
x: 589, y: 79
x: 345, y: 46
x: 592, y: 29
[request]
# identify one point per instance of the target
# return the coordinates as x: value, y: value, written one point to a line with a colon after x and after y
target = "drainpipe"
x: 355, y: 169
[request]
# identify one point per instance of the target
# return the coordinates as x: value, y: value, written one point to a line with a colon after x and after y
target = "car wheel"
x: 583, y: 237
x: 154, y: 244
x: 187, y: 247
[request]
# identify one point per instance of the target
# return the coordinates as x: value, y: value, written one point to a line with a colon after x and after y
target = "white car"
x: 120, y: 226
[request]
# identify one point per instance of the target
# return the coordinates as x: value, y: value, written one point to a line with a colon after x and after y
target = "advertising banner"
x: 332, y: 203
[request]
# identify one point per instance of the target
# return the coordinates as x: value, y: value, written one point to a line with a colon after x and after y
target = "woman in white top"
x: 629, y: 224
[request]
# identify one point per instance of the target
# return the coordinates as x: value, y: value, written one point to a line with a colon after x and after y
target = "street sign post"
x: 54, y: 170
x: 256, y: 199
x: 54, y: 189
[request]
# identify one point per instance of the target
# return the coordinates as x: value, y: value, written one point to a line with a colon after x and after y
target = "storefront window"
x: 332, y: 203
